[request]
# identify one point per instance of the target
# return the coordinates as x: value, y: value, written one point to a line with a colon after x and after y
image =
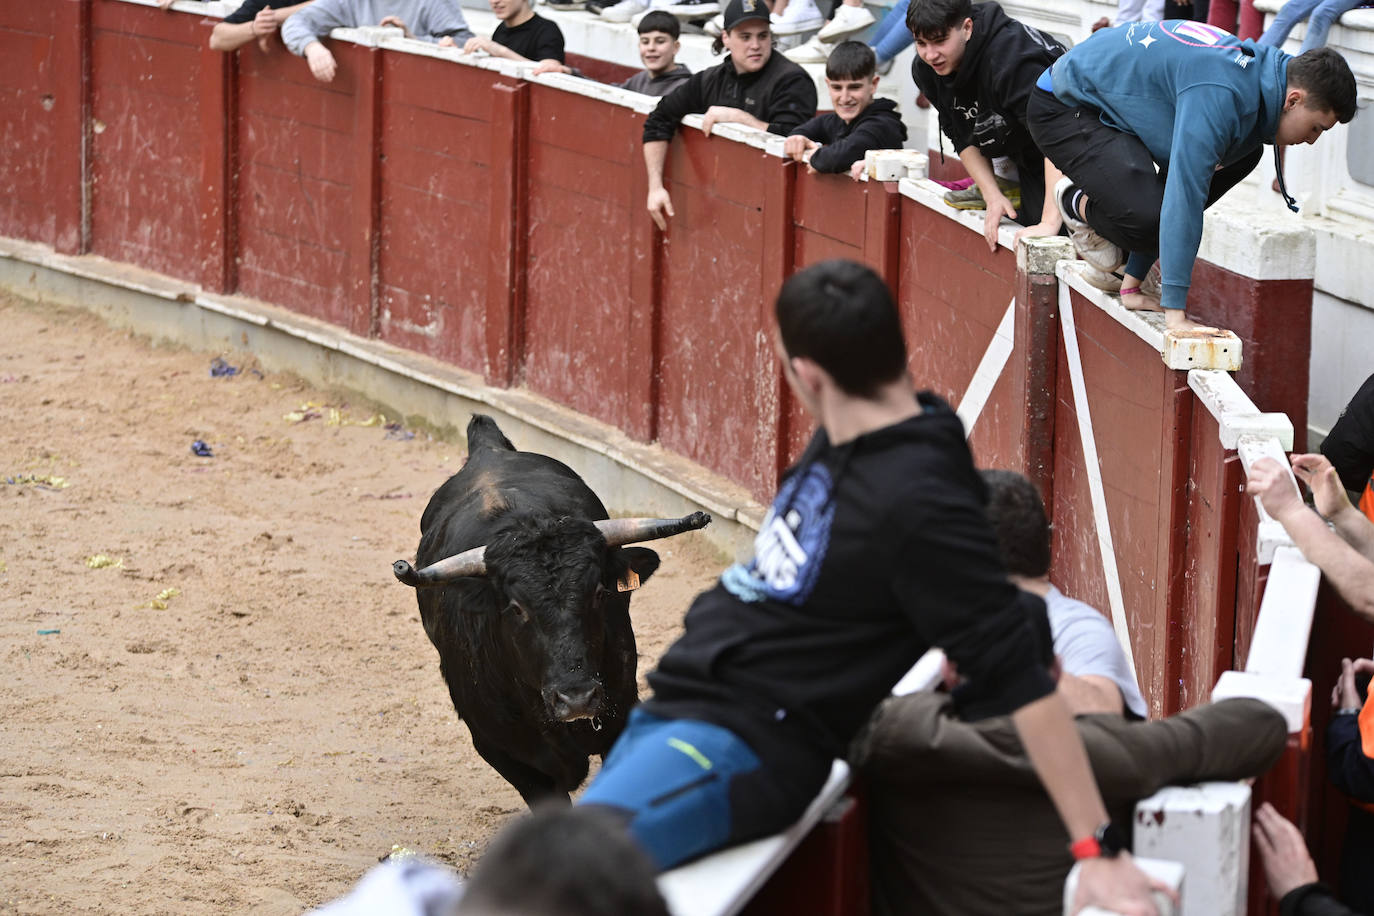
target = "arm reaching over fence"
x: 1344, y: 552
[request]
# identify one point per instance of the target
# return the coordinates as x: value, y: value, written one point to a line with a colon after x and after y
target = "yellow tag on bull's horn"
x: 629, y: 582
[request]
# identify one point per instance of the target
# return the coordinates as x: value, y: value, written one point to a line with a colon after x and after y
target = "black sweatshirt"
x: 877, y: 127
x: 1350, y: 446
x: 873, y: 551
x: 1001, y: 63
x: 536, y: 38
x: 781, y: 93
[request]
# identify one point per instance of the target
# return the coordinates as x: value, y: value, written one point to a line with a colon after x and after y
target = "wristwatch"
x: 1106, y: 843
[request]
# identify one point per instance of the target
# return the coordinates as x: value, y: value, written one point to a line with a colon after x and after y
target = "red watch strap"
x: 1086, y: 848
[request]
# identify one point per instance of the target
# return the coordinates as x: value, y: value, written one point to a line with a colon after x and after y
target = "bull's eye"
x: 517, y: 612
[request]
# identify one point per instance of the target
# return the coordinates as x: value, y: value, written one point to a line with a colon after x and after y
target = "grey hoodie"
x: 427, y: 20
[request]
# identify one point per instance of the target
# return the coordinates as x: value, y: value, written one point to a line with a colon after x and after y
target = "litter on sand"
x: 200, y: 449
x: 397, y: 431
x: 42, y: 481
x: 160, y: 602
x: 101, y: 561
x: 220, y: 369
x: 48, y: 632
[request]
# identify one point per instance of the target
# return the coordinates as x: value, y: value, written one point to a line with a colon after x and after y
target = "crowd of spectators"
x: 960, y: 755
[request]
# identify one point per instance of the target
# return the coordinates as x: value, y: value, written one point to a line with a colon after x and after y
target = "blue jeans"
x: 687, y: 788
x: 892, y: 37
x: 1324, y: 14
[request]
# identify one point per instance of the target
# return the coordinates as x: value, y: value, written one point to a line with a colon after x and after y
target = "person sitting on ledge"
x: 837, y: 141
x: 523, y: 35
x: 426, y: 20
x: 658, y: 47
x: 254, y: 19
x: 754, y: 87
x: 1152, y: 122
x: 876, y: 548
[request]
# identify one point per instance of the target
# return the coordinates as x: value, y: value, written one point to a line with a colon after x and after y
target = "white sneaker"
x: 800, y: 16
x: 715, y: 27
x: 1110, y: 283
x: 813, y: 52
x: 625, y: 10
x: 689, y: 9
x: 847, y: 21
x: 1092, y: 247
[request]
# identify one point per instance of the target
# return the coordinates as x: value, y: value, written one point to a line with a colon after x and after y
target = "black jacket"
x: 781, y: 93
x: 1350, y: 446
x: 877, y: 127
x: 1313, y: 900
x: 873, y: 551
x: 536, y: 38
x: 983, y: 103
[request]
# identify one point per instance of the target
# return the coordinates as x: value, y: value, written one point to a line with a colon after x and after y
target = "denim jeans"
x: 1323, y: 13
x: 892, y: 37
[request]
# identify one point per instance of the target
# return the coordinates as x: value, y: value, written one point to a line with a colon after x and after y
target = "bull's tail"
x: 484, y: 433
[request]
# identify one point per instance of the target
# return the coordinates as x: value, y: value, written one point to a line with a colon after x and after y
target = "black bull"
x: 524, y: 588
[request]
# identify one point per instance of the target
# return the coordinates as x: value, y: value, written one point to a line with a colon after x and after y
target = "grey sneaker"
x: 1092, y: 247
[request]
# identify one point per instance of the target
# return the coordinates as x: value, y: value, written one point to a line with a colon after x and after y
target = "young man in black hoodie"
x: 753, y: 86
x: 837, y: 140
x: 875, y: 548
x: 978, y: 67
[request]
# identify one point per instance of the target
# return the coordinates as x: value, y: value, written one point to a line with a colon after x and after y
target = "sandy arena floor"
x: 238, y: 712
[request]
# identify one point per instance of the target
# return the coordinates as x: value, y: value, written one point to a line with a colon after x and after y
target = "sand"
x: 214, y: 697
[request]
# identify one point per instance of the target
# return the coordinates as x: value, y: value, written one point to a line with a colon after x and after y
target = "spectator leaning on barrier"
x: 960, y: 826
x: 753, y: 86
x: 1288, y: 868
x: 1151, y: 123
x: 1096, y: 675
x: 1344, y: 552
x: 1350, y: 447
x: 426, y: 20
x: 875, y: 548
x: 836, y: 141
x: 978, y: 66
x: 254, y: 19
x: 522, y: 35
x: 1323, y: 14
x: 658, y: 47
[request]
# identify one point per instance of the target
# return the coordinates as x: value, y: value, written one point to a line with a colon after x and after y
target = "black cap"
x: 738, y: 11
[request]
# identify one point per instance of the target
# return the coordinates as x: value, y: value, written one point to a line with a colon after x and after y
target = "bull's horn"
x: 621, y: 531
x: 468, y: 563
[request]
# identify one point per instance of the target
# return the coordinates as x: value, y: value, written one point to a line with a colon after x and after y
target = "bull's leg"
x: 534, y: 786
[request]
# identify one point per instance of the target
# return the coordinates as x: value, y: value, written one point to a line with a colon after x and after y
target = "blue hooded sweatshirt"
x: 1197, y: 97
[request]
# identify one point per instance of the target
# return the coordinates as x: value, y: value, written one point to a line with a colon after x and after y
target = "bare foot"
x: 1139, y: 302
x: 1175, y: 320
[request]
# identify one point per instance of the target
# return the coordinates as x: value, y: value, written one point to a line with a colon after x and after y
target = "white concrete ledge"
x: 1290, y: 697
x: 1258, y: 243
x: 1170, y: 873
x: 1235, y: 413
x: 1271, y: 534
x: 1279, y: 645
x: 1206, y: 826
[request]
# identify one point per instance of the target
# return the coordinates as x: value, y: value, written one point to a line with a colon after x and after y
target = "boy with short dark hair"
x: 977, y: 66
x: 658, y: 47
x: 836, y: 141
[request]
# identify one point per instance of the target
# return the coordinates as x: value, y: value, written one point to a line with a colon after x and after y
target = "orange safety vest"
x: 1367, y: 500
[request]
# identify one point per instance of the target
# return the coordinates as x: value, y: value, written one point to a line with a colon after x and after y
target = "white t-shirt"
x: 1086, y: 645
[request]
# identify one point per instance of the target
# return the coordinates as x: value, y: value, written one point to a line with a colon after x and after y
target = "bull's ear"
x: 640, y: 559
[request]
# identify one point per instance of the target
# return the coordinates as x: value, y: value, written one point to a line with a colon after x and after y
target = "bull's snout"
x: 569, y: 704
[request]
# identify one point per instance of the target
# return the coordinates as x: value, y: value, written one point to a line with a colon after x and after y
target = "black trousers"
x: 1115, y: 169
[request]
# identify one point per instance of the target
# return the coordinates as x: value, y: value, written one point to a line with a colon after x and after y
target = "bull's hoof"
x: 406, y: 573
